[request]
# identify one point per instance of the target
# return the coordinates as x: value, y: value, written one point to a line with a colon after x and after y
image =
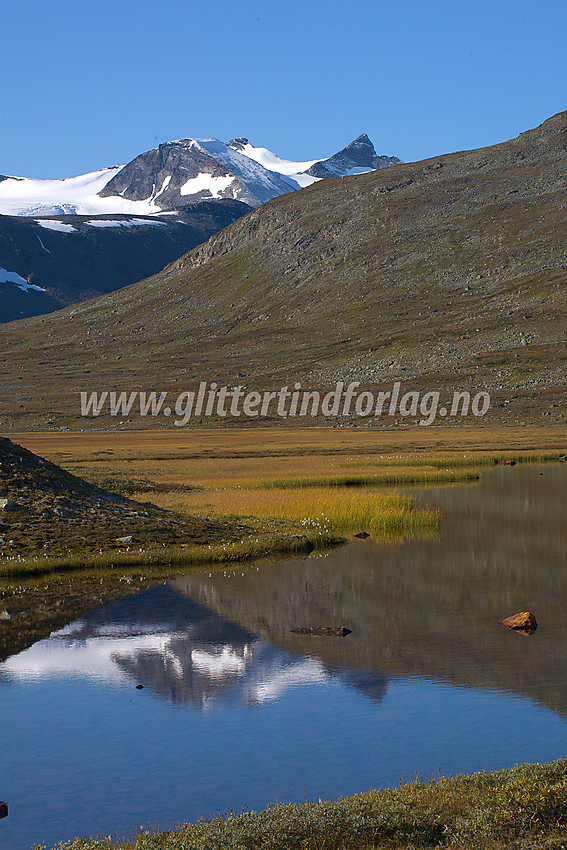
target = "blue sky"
x: 90, y: 83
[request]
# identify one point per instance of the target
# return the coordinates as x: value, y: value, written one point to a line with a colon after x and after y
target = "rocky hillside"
x: 444, y: 273
x: 47, y: 511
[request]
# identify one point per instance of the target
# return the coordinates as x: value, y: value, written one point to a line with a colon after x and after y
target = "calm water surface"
x: 236, y: 711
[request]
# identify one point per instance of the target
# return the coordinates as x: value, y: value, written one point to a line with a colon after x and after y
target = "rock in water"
x: 524, y: 622
x: 324, y: 631
x: 3, y: 809
x: 362, y: 535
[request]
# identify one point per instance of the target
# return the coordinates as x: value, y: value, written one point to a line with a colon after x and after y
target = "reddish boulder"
x: 524, y: 622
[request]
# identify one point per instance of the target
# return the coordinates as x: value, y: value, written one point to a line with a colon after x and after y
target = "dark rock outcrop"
x: 323, y: 631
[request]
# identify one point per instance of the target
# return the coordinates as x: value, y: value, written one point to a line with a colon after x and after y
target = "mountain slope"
x: 447, y: 272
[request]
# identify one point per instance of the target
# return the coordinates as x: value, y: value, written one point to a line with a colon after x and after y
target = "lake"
x: 236, y: 711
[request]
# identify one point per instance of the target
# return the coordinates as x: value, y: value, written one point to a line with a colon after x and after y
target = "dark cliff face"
x: 89, y: 259
x: 359, y: 154
x: 146, y: 175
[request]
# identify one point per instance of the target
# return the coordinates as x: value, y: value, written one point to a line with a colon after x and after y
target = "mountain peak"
x: 357, y: 157
x: 364, y: 138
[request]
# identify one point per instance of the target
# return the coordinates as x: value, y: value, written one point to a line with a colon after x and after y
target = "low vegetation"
x: 521, y: 807
x: 318, y: 511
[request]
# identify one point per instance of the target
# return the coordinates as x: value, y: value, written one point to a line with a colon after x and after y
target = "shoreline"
x: 521, y: 807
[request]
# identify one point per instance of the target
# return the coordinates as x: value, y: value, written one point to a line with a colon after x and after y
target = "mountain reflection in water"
x: 180, y: 650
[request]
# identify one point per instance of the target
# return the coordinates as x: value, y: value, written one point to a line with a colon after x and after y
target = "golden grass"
x: 399, y: 443
x: 318, y: 510
x: 225, y: 457
x: 271, y: 471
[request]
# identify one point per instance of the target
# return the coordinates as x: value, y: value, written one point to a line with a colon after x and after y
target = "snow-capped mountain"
x: 63, y: 241
x: 70, y: 196
x: 195, y: 169
x: 180, y: 172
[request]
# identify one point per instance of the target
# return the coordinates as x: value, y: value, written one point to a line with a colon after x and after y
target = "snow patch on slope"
x: 21, y: 282
x: 71, y: 196
x: 286, y: 167
x: 59, y: 226
x: 132, y: 222
x: 206, y: 183
x: 43, y: 246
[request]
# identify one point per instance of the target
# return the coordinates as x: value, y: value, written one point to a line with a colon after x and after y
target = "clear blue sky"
x: 89, y: 83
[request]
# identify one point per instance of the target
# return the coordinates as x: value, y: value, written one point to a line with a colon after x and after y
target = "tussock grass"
x: 500, y: 809
x: 319, y: 510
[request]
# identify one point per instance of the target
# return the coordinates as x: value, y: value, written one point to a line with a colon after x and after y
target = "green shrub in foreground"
x: 469, y: 811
